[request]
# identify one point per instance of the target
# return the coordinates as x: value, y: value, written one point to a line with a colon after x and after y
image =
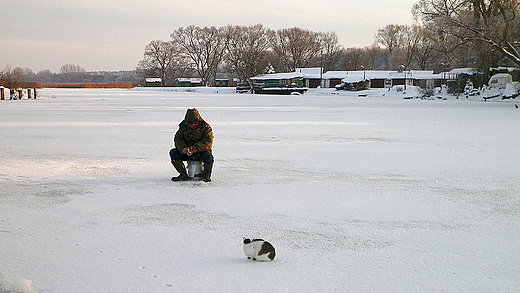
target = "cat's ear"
x: 247, y: 240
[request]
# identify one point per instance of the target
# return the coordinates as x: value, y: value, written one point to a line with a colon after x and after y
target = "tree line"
x: 70, y: 75
x: 447, y: 34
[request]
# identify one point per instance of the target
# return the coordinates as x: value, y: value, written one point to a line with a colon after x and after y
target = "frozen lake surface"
x: 373, y: 194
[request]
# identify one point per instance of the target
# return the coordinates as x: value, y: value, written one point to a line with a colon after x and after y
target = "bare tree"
x: 296, y: 47
x: 353, y: 58
x: 71, y: 68
x: 425, y: 53
x: 246, y: 50
x: 204, y: 47
x: 413, y: 38
x: 373, y: 56
x: 72, y: 73
x: 11, y: 79
x: 330, y: 53
x: 392, y: 37
x: 491, y: 22
x: 160, y: 60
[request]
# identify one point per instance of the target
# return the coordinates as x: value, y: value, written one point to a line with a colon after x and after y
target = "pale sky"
x: 112, y: 34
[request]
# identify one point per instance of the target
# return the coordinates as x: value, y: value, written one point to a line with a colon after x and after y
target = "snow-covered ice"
x: 357, y: 194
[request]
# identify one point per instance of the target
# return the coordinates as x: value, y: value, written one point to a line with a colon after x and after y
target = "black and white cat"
x: 258, y: 249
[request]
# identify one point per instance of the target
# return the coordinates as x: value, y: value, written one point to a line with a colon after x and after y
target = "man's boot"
x: 179, y: 166
x: 206, y: 175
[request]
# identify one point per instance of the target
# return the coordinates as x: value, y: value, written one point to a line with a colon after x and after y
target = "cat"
x: 258, y: 249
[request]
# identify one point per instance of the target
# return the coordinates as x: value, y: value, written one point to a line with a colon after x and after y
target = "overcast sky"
x: 112, y: 34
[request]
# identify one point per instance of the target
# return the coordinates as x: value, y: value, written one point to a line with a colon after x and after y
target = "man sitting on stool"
x: 193, y: 142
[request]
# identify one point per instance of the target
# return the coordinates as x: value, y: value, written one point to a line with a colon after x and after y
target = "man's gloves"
x: 188, y: 150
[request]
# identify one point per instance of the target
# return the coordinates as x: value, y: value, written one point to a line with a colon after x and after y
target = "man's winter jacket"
x: 201, y: 138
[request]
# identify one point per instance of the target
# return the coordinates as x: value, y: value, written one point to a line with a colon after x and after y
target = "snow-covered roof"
x: 153, y: 79
x: 354, y: 79
x: 358, y: 76
x: 468, y: 71
x: 286, y: 75
x: 189, y: 79
x: 315, y: 72
x: 335, y: 74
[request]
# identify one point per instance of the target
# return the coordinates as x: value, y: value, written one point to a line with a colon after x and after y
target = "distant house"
x: 332, y: 78
x: 388, y: 79
x: 279, y: 83
x: 188, y: 81
x: 222, y: 82
x: 153, y: 81
x: 288, y: 78
x: 312, y: 77
x: 225, y: 82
